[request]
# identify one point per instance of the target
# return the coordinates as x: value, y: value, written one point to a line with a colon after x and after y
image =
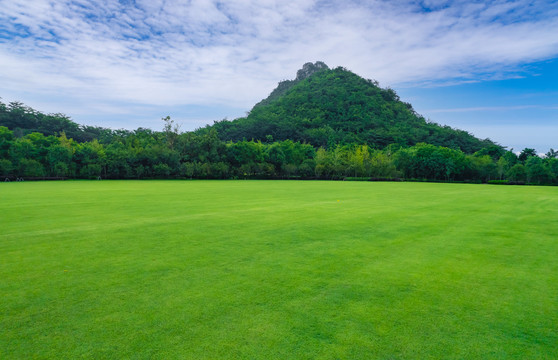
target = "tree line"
x: 25, y: 120
x: 146, y: 154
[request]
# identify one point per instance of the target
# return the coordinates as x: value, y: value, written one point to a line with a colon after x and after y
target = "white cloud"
x: 234, y: 52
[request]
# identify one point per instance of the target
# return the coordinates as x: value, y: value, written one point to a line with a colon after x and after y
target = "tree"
x: 510, y: 157
x: 57, y: 157
x: 307, y: 168
x: 171, y: 131
x: 537, y: 173
x: 30, y: 168
x: 381, y: 165
x: 23, y: 148
x: 323, y: 165
x: 427, y: 161
x: 517, y: 173
x: 60, y: 169
x: 120, y: 161
x: 359, y: 161
x: 526, y: 153
x: 338, y: 162
x: 503, y: 166
x: 188, y: 169
x: 5, y: 167
x: 494, y: 151
x: 552, y: 165
x: 483, y: 168
x: 6, y: 141
x: 220, y: 170
x: 403, y: 161
x: 276, y: 156
x: 90, y: 171
x: 90, y: 158
x: 161, y: 170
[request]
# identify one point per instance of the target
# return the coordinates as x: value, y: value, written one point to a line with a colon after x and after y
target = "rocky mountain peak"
x: 309, y: 69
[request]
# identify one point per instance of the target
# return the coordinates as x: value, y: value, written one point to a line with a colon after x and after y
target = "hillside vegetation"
x: 24, y: 120
x: 324, y: 124
x: 326, y: 107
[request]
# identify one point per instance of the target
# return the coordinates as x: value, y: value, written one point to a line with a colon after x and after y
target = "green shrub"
x: 6, y: 167
x: 30, y: 168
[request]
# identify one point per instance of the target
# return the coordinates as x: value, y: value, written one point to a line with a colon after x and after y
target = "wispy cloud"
x: 211, y: 52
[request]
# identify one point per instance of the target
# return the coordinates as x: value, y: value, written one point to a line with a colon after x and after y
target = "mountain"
x: 307, y: 70
x: 325, y: 107
x: 25, y: 120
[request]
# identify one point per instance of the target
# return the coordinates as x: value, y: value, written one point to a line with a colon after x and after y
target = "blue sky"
x: 488, y: 67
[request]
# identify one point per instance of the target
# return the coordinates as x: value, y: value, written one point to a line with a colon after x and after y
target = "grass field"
x: 277, y: 270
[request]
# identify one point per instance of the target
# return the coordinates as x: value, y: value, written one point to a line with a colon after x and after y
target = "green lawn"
x: 277, y: 270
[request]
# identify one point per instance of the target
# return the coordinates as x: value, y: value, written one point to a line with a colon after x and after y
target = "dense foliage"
x: 26, y: 120
x: 147, y: 154
x: 325, y: 124
x: 327, y: 108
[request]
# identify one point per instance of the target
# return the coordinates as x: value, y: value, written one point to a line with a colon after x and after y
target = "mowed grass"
x: 277, y: 270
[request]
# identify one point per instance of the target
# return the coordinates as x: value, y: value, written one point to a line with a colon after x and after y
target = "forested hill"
x: 307, y: 70
x: 25, y: 120
x: 326, y: 107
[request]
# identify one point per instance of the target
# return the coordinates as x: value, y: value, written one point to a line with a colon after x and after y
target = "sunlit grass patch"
x: 277, y: 269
